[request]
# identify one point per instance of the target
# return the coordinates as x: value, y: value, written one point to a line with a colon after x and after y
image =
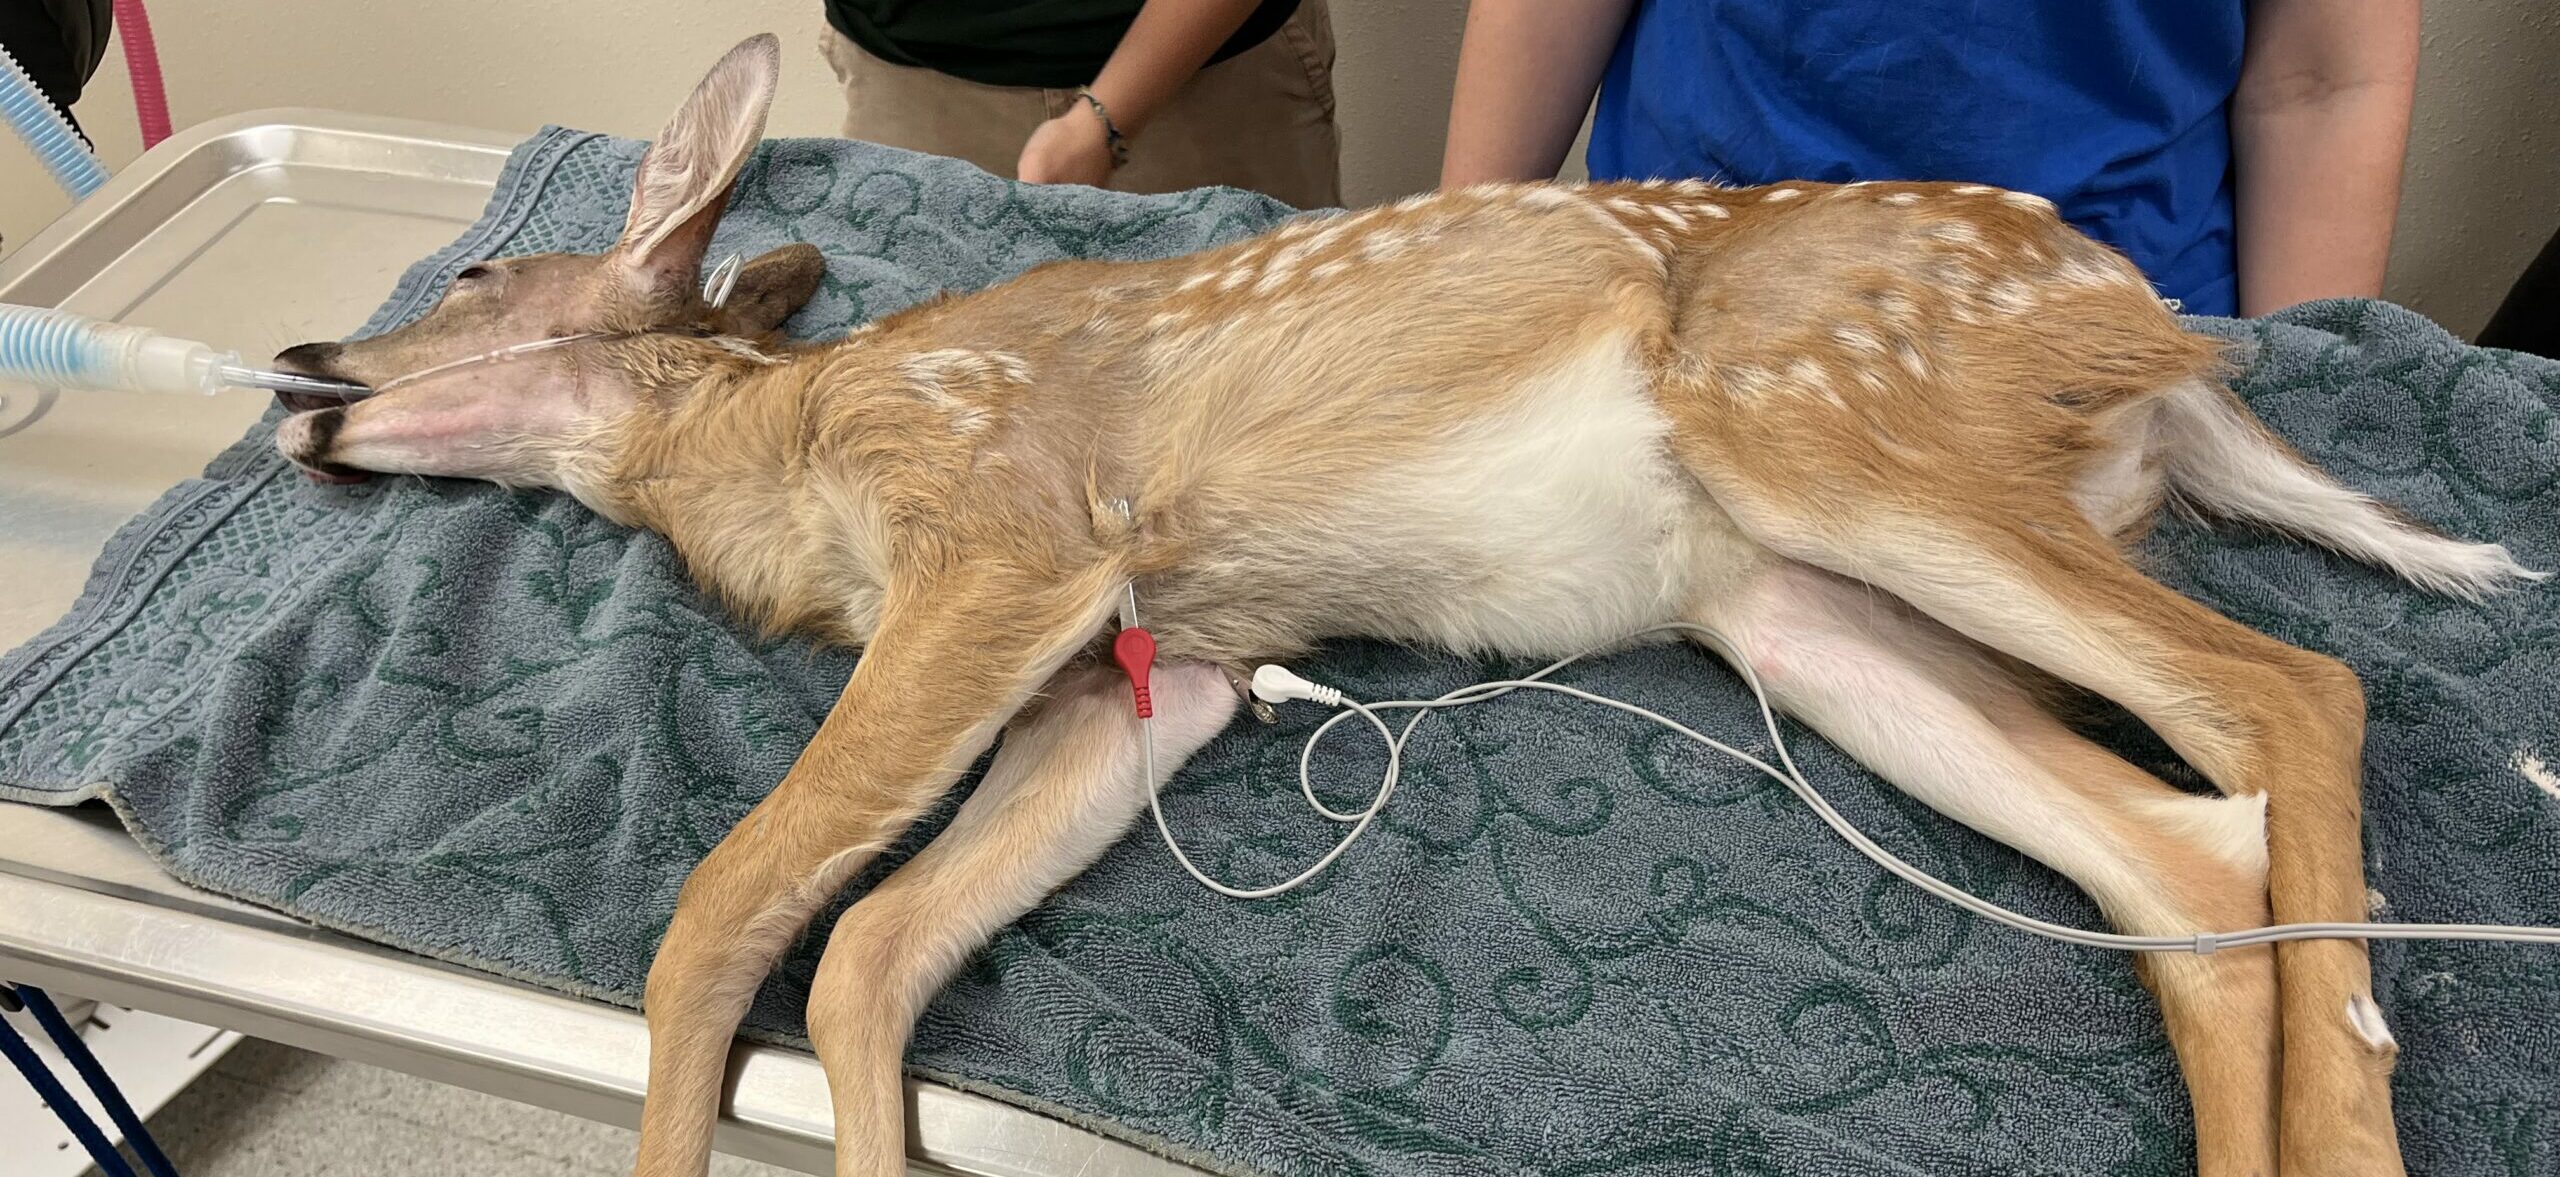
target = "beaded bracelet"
x: 1111, y: 135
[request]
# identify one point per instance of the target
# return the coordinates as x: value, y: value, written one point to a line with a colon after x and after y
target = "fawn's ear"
x: 769, y: 289
x: 685, y: 177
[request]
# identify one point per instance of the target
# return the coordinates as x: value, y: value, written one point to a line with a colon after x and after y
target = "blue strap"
x: 110, y: 1162
x: 109, y: 1095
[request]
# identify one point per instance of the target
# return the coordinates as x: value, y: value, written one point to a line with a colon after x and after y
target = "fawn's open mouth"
x: 304, y: 402
x: 336, y: 475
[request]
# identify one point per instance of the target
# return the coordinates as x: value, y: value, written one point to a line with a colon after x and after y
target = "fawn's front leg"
x: 1063, y: 788
x: 952, y: 659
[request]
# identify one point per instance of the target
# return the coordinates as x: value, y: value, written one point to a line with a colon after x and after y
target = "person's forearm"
x: 1168, y: 42
x: 2319, y: 127
x: 1526, y: 73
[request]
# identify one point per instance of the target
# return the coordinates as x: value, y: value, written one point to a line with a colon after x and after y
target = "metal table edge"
x: 195, y: 159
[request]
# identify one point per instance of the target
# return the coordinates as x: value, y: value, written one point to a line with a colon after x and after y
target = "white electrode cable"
x: 495, y: 356
x: 1359, y: 820
x: 1273, y: 684
x: 716, y: 288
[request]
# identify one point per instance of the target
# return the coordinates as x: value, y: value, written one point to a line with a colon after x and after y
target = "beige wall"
x: 606, y: 65
x: 2482, y: 190
x: 2484, y: 168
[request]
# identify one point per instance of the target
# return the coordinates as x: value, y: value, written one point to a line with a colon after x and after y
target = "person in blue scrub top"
x: 2245, y: 153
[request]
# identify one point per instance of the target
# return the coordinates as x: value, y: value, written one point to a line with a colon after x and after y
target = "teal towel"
x: 490, y: 727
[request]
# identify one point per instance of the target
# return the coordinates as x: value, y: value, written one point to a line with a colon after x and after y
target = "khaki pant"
x: 1261, y: 120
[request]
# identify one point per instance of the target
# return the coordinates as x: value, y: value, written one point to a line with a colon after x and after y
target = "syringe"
x: 51, y: 349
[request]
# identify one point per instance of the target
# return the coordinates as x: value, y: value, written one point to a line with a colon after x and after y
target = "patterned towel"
x: 490, y: 727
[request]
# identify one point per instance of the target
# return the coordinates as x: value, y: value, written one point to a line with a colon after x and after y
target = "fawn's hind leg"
x: 2255, y: 715
x: 1062, y: 789
x: 1931, y: 714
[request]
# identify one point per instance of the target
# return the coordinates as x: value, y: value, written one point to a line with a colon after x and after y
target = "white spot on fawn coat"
x: 2366, y: 1018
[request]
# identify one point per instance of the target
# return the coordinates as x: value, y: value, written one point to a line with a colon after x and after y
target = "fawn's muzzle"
x: 310, y: 359
x: 306, y: 439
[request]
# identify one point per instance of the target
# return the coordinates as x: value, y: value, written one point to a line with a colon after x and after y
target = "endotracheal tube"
x: 44, y: 350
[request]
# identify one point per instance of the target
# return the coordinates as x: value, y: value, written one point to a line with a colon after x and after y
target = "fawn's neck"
x: 721, y: 473
x: 792, y: 488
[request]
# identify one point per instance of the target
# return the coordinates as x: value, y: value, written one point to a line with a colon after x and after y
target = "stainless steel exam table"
x: 255, y: 232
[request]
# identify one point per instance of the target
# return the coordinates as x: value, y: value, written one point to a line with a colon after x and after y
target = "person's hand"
x: 1072, y: 148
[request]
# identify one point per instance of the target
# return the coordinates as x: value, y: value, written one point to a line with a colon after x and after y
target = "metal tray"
x: 255, y: 232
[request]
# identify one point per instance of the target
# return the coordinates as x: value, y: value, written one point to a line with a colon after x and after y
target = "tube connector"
x: 159, y: 363
x: 1279, y: 684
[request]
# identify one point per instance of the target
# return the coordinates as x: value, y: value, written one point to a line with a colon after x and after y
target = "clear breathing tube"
x: 46, y: 133
x: 44, y: 350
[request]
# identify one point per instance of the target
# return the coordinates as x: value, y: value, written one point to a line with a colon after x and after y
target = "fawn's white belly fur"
x: 1552, y: 524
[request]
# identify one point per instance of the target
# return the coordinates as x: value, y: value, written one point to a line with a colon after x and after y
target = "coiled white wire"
x: 2200, y: 943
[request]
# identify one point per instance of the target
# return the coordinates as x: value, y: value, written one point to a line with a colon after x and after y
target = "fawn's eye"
x: 473, y: 273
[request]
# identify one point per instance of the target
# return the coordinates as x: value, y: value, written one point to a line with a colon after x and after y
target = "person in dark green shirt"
x: 1138, y: 95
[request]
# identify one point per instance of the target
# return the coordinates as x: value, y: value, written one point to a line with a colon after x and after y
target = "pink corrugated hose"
x: 142, y: 62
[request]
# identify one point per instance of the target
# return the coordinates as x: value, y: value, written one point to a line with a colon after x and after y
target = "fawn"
x: 1887, y: 437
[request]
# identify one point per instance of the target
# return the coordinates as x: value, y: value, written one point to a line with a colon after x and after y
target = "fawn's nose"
x: 309, y: 359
